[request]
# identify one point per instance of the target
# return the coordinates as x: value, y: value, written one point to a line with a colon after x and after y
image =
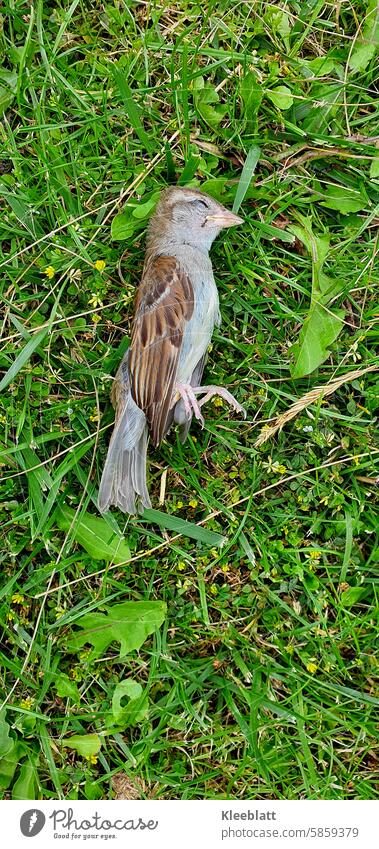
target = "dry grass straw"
x: 309, y: 398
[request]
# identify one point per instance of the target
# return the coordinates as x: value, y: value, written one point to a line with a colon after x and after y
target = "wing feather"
x: 164, y: 304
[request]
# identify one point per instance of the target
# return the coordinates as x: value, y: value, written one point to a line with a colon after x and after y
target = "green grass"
x: 261, y: 681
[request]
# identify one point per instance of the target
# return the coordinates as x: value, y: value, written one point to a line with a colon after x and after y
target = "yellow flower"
x: 27, y: 703
x: 95, y: 318
x: 278, y: 468
x: 50, y: 271
x: 178, y: 505
x: 275, y: 467
x: 193, y: 503
x: 17, y: 598
x: 92, y: 759
x: 99, y: 265
x: 95, y: 300
x: 311, y: 667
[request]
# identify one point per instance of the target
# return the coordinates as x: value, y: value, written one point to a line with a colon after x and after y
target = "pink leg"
x: 210, y: 391
x: 191, y: 405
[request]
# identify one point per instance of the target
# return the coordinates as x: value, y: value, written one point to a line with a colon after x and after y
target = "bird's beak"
x: 223, y: 219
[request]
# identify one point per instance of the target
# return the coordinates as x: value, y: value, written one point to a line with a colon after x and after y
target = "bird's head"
x: 187, y: 216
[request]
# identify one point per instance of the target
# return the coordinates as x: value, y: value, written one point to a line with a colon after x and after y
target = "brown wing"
x: 164, y: 304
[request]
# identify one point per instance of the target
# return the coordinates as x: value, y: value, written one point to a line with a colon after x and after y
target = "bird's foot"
x: 191, y: 406
x: 210, y: 391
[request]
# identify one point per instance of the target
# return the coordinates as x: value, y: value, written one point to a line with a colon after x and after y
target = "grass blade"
x: 180, y: 526
x: 22, y: 358
x: 248, y: 169
x: 132, y: 109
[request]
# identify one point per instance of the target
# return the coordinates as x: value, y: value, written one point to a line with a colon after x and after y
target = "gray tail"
x: 123, y: 482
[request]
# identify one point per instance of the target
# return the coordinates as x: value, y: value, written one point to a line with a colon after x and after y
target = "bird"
x: 158, y: 382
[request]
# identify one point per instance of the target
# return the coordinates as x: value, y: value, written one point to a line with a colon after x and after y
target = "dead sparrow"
x: 176, y: 309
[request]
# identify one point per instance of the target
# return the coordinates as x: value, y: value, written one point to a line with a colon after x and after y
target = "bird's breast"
x: 206, y: 313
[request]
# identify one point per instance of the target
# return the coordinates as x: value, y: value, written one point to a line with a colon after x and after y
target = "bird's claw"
x: 192, y: 406
x: 190, y: 403
x: 210, y: 391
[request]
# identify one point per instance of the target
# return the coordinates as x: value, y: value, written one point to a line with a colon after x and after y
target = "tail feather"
x: 139, y: 469
x: 123, y: 481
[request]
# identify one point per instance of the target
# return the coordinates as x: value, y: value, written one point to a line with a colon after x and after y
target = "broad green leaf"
x: 23, y: 358
x: 26, y: 785
x: 94, y: 534
x: 9, y: 78
x: 215, y: 187
x: 361, y: 56
x: 66, y: 688
x: 322, y: 325
x: 344, y: 199
x: 92, y: 791
x: 9, y: 764
x: 6, y: 742
x: 251, y: 96
x: 25, y: 723
x: 143, y: 210
x: 311, y: 582
x: 319, y: 331
x: 280, y: 97
x: 367, y: 45
x: 137, y: 707
x: 317, y: 246
x: 329, y: 287
x: 318, y: 112
x: 129, y: 624
x: 180, y: 526
x: 320, y: 66
x: 352, y: 595
x: 122, y: 226
x: 85, y: 745
x: 211, y: 116
x: 248, y: 169
x: 278, y: 20
x: 204, y: 95
x: 17, y: 54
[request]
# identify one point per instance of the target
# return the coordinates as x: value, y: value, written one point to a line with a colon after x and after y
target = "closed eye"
x: 200, y: 203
